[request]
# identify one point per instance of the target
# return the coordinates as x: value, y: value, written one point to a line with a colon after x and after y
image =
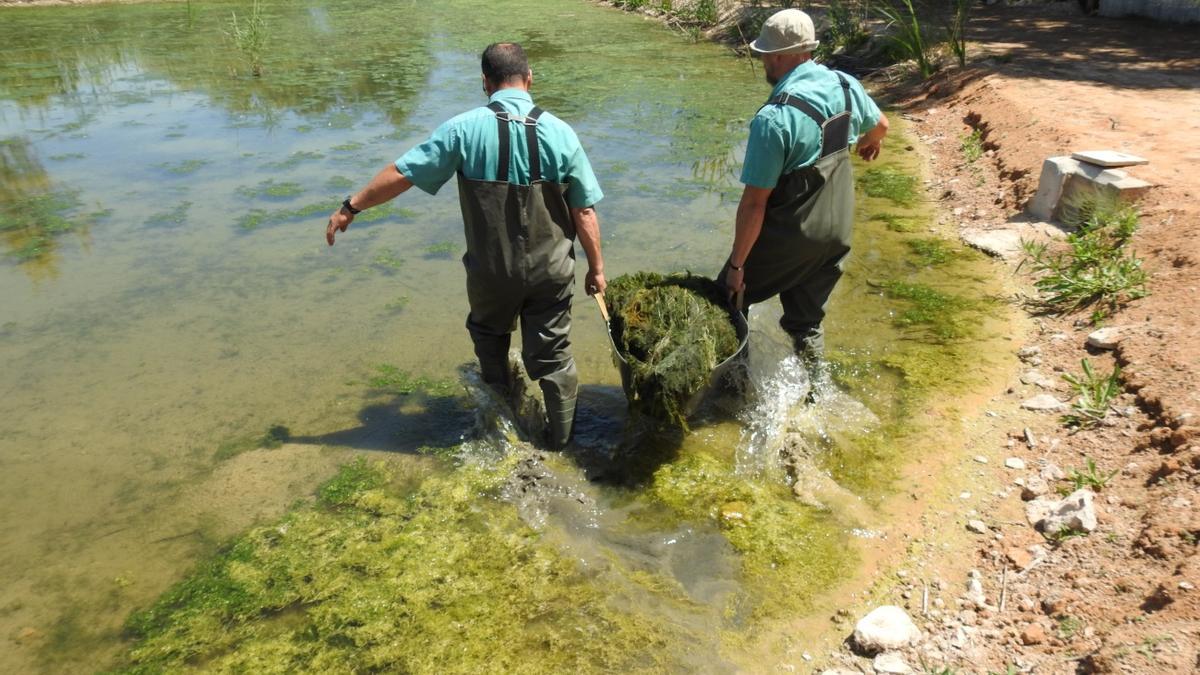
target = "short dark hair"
x: 504, y: 61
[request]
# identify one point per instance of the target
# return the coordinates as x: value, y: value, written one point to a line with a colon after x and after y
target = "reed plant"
x: 250, y: 35
x: 911, y: 36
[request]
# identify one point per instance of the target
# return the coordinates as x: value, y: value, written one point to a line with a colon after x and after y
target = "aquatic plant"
x: 275, y: 436
x: 442, y: 249
x: 269, y: 188
x: 931, y: 252
x: 890, y: 184
x: 911, y: 37
x: 295, y: 159
x: 173, y: 218
x: 897, y: 223
x: 185, y: 167
x: 340, y: 183
x: 443, y: 579
x: 673, y: 331
x: 942, y: 315
x: 392, y: 380
x: 387, y: 260
x: 250, y: 36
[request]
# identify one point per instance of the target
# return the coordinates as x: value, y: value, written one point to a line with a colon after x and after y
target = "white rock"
x: 1043, y: 402
x: 1051, y: 472
x: 1105, y: 338
x: 885, y: 628
x: 1015, y: 463
x: 891, y: 663
x: 977, y: 526
x: 1002, y: 243
x: 1038, y: 379
x: 1076, y: 512
x: 1035, y: 486
x: 981, y: 459
x: 1038, y: 510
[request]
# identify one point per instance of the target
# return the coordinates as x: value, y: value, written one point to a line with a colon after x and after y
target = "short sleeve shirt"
x: 470, y: 143
x: 783, y: 139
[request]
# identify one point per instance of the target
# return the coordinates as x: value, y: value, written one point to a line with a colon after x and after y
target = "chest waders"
x: 806, y: 231
x: 520, y: 264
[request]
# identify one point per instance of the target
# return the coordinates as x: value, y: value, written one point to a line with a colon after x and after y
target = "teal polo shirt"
x: 470, y: 143
x: 783, y: 139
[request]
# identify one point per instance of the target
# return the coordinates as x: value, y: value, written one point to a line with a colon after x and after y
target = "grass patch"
x: 889, y: 183
x: 1094, y: 394
x: 1090, y: 477
x: 972, y: 146
x: 249, y: 36
x: 1095, y: 271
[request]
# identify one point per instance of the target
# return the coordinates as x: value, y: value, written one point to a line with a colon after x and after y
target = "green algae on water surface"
x: 889, y: 183
x: 392, y: 380
x: 943, y: 316
x: 442, y: 249
x: 172, y: 218
x: 783, y: 543
x: 185, y: 167
x: 672, y: 331
x: 444, y: 579
x: 269, y: 188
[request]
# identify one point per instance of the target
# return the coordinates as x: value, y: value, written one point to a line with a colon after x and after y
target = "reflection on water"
x: 167, y: 299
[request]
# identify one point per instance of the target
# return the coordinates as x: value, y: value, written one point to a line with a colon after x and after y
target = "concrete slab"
x: 1005, y: 244
x: 1108, y: 158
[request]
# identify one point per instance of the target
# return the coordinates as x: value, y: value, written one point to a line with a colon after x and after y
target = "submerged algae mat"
x: 672, y: 331
x: 447, y: 578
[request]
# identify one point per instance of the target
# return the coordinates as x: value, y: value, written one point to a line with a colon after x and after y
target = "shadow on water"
x: 411, y: 424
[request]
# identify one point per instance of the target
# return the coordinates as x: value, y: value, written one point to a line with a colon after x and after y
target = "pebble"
x: 885, y: 628
x: 981, y: 459
x: 1015, y: 463
x: 964, y: 495
x: 890, y: 663
x: 1105, y: 338
x: 1052, y: 472
x: 977, y: 526
x: 1033, y: 635
x: 1035, y: 486
x: 1043, y: 403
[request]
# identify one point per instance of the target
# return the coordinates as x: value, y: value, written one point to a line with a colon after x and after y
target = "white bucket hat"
x: 788, y: 31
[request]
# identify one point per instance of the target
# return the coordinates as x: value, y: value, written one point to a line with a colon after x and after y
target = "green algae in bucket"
x: 672, y: 332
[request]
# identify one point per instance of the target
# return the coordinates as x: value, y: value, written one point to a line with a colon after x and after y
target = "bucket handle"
x: 599, y: 296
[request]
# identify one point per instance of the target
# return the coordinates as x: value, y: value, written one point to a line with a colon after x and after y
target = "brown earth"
x: 1042, y: 81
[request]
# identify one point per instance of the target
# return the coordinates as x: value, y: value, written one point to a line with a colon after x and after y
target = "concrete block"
x: 1108, y: 158
x: 1114, y: 181
x: 1050, y: 186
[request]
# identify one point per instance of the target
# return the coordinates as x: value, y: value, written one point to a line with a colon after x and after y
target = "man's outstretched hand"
x: 338, y: 222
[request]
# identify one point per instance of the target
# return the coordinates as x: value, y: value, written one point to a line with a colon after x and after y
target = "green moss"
x: 387, y: 260
x: 783, y: 544
x: 257, y: 218
x: 444, y: 579
x: 339, y: 183
x: 295, y: 159
x: 352, y: 146
x: 943, y: 316
x: 889, y: 183
x: 898, y: 223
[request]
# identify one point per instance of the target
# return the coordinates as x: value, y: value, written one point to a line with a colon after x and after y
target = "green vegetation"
x: 1090, y: 477
x: 398, y: 304
x: 257, y: 218
x: 295, y: 159
x: 1068, y: 626
x: 931, y: 252
x: 442, y: 249
x: 898, y: 223
x: 911, y: 37
x: 339, y: 183
x: 972, y: 146
x: 250, y: 37
x: 956, y: 29
x: 269, y: 188
x: 845, y: 28
x: 275, y: 436
x: 1095, y: 271
x: 672, y: 330
x: 1094, y: 395
x: 943, y: 316
x: 173, y: 218
x: 1064, y: 533
x: 387, y: 260
x: 445, y: 579
x: 185, y: 167
x: 783, y: 543
x: 30, y: 224
x: 889, y: 183
x: 393, y: 380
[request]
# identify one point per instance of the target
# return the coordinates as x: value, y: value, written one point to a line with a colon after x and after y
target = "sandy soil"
x: 1045, y: 81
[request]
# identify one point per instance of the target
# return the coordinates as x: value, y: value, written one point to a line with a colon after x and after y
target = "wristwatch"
x: 346, y: 205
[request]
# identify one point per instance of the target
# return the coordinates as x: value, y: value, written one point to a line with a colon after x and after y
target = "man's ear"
x: 529, y: 79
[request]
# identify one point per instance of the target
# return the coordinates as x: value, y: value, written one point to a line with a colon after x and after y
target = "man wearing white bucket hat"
x: 796, y: 213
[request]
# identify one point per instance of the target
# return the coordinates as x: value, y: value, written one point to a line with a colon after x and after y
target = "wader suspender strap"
x: 830, y: 142
x: 530, y: 121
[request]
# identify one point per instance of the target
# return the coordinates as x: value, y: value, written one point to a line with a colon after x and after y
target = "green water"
x: 167, y: 298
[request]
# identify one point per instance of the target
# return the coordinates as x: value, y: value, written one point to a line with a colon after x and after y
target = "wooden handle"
x: 603, y: 306
x: 737, y: 301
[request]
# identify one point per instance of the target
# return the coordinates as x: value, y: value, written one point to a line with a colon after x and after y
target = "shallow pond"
x: 184, y: 359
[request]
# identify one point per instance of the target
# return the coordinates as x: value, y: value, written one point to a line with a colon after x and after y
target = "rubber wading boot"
x: 559, y: 392
x: 494, y: 366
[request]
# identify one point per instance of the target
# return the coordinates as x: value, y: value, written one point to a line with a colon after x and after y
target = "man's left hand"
x: 735, y: 281
x: 869, y: 151
x: 339, y: 221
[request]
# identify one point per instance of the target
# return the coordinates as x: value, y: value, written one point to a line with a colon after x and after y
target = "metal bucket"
x: 741, y: 328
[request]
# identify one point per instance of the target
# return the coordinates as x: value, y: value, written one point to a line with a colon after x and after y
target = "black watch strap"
x: 346, y: 205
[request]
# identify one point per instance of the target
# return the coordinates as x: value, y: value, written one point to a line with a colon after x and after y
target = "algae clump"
x: 672, y: 331
x: 443, y: 579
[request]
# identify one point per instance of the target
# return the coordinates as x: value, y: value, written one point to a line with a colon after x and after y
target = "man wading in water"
x: 526, y: 189
x: 796, y: 213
